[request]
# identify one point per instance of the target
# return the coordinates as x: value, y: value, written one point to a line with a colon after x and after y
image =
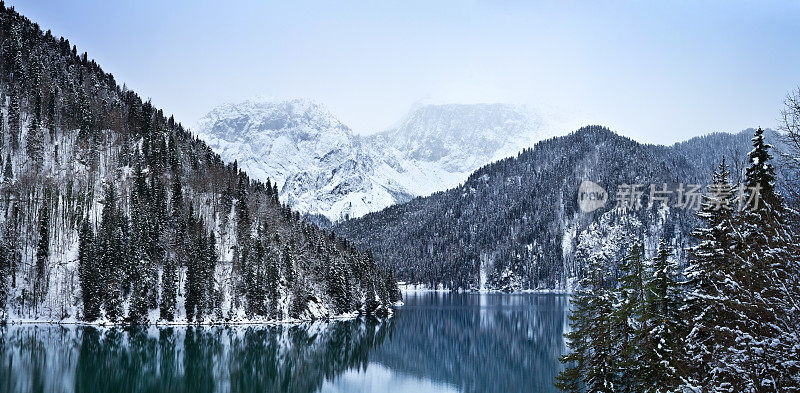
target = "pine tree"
x: 573, y: 378
x: 299, y: 303
x: 13, y: 120
x: 662, y: 356
x: 626, y: 326
x: 766, y: 253
x: 112, y: 246
x: 88, y: 272
x: 337, y: 285
x: 168, y: 290
x: 34, y: 144
x: 273, y: 286
x: 174, y: 155
x: 5, y: 269
x: 711, y: 290
x: 138, y: 275
x: 600, y: 376
x: 391, y: 287
x: 42, y: 249
x: 288, y: 264
x: 590, y: 363
x: 371, y: 304
x: 194, y: 300
x: 243, y: 231
x: 52, y: 112
x: 209, y: 268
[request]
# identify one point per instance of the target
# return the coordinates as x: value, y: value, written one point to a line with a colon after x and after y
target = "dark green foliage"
x: 89, y: 272
x: 299, y: 302
x: 627, y: 333
x: 42, y: 249
x: 662, y: 359
x: 13, y: 120
x: 168, y: 290
x: 337, y: 280
x: 711, y: 271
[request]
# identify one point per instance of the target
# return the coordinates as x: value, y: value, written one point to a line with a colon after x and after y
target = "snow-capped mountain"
x: 448, y: 142
x: 321, y: 167
x: 317, y: 162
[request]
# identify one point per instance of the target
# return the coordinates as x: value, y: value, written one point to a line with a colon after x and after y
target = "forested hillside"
x: 112, y: 211
x: 725, y: 320
x: 515, y: 224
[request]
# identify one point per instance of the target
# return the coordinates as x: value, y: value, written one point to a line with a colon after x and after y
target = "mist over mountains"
x: 323, y: 168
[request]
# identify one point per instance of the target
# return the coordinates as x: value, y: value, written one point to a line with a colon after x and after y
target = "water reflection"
x: 194, y: 359
x: 435, y: 343
x: 479, y: 343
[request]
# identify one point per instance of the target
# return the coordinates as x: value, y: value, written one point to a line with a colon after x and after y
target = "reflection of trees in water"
x: 184, y: 359
x: 479, y: 343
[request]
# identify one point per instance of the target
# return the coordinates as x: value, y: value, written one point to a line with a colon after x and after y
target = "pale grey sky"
x: 656, y: 71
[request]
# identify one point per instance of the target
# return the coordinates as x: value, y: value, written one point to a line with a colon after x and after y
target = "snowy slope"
x: 321, y: 167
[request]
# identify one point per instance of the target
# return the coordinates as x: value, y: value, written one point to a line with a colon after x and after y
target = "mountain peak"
x: 322, y: 168
x: 463, y: 136
x: 303, y: 117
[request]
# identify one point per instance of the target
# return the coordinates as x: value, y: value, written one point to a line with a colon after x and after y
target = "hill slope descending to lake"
x: 113, y: 212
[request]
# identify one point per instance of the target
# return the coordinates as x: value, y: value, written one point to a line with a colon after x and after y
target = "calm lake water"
x: 437, y: 342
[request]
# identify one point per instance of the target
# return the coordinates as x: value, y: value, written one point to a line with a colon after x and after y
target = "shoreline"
x: 337, y: 318
x: 416, y: 288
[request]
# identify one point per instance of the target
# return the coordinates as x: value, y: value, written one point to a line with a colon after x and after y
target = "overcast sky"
x: 657, y: 72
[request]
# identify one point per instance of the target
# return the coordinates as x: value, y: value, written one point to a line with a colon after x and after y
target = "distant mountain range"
x: 323, y: 168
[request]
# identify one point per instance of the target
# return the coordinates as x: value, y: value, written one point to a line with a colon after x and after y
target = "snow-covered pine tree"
x: 42, y: 249
x: 629, y: 303
x: 337, y: 284
x: 195, y: 283
x: 13, y: 119
x: 765, y: 250
x: 288, y: 264
x: 601, y: 375
x: 662, y: 359
x: 371, y: 301
x: 5, y: 269
x: 591, y: 361
x: 112, y: 246
x: 169, y: 290
x: 573, y: 378
x: 391, y: 287
x: 212, y: 299
x: 299, y: 298
x: 88, y: 272
x: 711, y: 290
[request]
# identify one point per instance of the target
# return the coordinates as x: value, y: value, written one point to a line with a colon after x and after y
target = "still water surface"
x: 437, y: 342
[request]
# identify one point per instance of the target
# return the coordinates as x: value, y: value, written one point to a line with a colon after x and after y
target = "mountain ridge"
x: 434, y: 147
x: 515, y: 224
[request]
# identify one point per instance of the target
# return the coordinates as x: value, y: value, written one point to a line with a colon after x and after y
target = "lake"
x: 436, y: 342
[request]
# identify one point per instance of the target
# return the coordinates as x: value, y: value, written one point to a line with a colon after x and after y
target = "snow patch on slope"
x: 321, y: 167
